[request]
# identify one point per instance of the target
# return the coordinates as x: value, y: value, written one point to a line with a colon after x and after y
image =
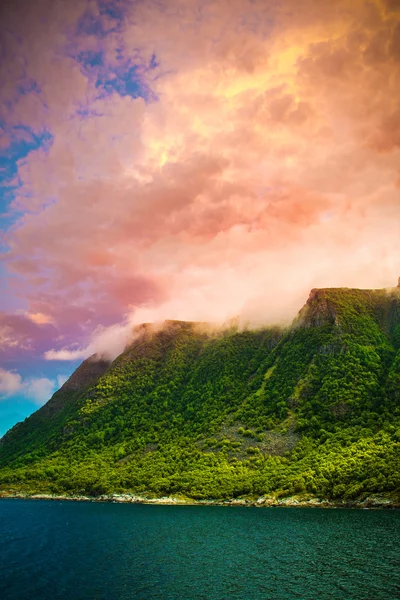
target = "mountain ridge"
x: 313, y: 408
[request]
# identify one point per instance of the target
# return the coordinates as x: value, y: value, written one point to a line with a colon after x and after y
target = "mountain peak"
x: 337, y: 305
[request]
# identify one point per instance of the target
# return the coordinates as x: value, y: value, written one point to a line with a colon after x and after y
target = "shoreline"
x: 371, y: 502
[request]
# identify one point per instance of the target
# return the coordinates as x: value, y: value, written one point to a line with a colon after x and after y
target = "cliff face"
x: 88, y: 373
x: 318, y: 310
x: 189, y: 405
x: 340, y: 306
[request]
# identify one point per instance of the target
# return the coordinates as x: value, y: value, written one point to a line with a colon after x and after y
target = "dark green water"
x: 71, y: 550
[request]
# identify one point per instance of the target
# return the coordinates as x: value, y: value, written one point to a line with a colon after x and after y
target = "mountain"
x: 206, y: 412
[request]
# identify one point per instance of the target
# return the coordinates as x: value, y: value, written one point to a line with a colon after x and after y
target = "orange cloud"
x: 265, y: 164
x: 39, y: 318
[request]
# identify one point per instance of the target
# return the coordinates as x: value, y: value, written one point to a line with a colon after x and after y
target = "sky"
x: 186, y: 159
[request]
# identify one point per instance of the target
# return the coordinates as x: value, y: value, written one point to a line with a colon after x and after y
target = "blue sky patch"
x: 90, y: 59
x: 97, y: 25
x: 23, y: 141
x: 112, y: 8
x: 125, y: 79
x: 128, y: 83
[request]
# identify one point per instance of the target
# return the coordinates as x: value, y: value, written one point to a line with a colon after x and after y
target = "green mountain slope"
x: 313, y: 409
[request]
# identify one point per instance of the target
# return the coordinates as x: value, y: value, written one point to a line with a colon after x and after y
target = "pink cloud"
x: 107, y: 342
x: 267, y: 165
x: 20, y: 335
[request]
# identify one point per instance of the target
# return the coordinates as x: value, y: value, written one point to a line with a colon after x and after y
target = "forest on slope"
x: 313, y: 410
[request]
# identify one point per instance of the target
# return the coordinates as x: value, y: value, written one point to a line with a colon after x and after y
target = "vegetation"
x: 313, y: 409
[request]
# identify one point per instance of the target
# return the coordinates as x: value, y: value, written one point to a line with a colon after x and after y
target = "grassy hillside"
x: 313, y: 409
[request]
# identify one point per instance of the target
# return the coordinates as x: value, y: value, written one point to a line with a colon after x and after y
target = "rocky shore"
x: 373, y: 501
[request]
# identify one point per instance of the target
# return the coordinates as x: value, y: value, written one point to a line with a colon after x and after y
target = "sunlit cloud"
x: 106, y: 342
x: 195, y: 160
x: 39, y: 318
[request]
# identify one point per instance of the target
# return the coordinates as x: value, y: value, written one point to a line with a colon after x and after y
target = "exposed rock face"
x: 335, y: 305
x: 318, y: 310
x: 88, y: 373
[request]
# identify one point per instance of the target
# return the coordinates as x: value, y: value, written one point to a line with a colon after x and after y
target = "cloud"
x: 9, y: 382
x: 107, y: 342
x: 392, y: 5
x: 206, y: 159
x: 66, y: 354
x: 61, y: 379
x: 21, y: 333
x: 39, y: 390
x: 36, y: 389
x: 39, y: 318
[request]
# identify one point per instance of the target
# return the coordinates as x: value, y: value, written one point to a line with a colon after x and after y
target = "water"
x: 53, y: 550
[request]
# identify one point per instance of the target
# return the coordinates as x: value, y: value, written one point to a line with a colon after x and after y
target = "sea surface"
x: 75, y: 550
